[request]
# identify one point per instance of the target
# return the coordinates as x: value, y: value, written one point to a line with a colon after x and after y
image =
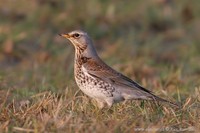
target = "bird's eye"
x: 76, y: 35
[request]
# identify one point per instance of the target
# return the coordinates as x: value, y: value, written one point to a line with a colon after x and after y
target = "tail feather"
x: 156, y: 98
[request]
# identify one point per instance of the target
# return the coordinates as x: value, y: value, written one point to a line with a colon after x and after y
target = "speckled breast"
x: 92, y: 86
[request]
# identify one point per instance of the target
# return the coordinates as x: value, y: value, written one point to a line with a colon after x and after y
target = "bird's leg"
x: 100, y: 104
x: 109, y: 102
x: 125, y: 101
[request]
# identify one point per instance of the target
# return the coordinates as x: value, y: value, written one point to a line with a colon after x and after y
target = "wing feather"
x: 104, y: 72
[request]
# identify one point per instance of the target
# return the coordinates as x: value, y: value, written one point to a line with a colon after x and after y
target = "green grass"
x: 152, y: 42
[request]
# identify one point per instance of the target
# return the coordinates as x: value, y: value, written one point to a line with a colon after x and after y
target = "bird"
x: 98, y: 80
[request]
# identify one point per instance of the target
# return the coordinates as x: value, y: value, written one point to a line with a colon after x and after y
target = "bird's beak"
x: 65, y: 35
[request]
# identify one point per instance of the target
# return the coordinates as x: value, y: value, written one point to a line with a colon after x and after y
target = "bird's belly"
x: 99, y: 90
x: 94, y: 89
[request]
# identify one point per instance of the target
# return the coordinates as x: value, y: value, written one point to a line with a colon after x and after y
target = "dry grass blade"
x: 23, y: 129
x: 4, y: 97
x: 187, y: 102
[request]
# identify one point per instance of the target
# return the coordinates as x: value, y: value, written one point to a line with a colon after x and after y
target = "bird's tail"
x: 156, y: 98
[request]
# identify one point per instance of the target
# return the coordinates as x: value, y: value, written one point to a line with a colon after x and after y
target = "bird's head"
x: 78, y: 38
x: 81, y: 42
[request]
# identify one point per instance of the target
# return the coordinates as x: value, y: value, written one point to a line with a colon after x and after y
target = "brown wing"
x: 104, y: 72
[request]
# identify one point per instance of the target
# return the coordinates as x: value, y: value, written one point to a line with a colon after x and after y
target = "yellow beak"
x: 65, y: 35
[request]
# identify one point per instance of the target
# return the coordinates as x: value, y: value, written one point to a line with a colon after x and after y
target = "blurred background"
x: 154, y: 42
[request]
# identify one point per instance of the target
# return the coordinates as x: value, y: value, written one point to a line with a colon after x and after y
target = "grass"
x: 154, y: 43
